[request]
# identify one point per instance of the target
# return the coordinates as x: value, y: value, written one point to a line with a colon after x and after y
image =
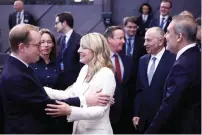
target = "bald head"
x: 154, y: 40
x: 18, y: 5
x: 20, y: 34
x: 156, y: 32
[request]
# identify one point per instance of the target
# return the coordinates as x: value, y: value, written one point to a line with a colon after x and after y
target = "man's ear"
x: 21, y: 47
x: 179, y: 37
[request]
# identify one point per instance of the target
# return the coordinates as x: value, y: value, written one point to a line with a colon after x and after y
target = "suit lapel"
x: 145, y: 68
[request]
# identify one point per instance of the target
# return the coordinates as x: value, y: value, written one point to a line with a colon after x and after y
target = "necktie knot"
x: 154, y: 59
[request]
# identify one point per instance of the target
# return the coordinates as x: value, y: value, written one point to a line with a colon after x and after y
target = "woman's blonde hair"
x: 98, y: 44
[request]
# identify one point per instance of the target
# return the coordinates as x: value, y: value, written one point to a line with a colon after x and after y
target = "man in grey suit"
x: 153, y: 70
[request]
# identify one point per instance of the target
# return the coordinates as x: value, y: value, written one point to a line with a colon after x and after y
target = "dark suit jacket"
x: 121, y: 94
x: 155, y: 22
x: 28, y: 19
x: 139, y: 50
x: 24, y: 101
x: 180, y: 110
x: 142, y: 25
x: 71, y: 58
x: 148, y: 98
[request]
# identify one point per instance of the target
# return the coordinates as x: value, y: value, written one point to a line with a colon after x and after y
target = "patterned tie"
x: 162, y: 23
x: 118, y: 68
x: 19, y: 18
x: 64, y: 44
x: 128, y: 51
x: 152, y: 70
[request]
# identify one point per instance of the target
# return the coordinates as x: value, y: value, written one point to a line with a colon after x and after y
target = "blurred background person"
x: 164, y: 19
x: 45, y: 68
x: 97, y: 74
x: 144, y: 19
x: 20, y: 15
x: 67, y: 57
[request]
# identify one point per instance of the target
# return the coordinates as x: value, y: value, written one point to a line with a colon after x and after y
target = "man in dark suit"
x: 164, y: 19
x: 153, y: 70
x: 133, y: 47
x: 23, y: 98
x: 180, y: 110
x: 20, y: 16
x: 120, y: 116
x: 68, y: 45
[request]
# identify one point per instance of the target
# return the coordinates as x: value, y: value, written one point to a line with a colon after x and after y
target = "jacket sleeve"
x: 108, y: 84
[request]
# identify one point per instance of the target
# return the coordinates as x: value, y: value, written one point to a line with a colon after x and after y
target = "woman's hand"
x: 61, y: 109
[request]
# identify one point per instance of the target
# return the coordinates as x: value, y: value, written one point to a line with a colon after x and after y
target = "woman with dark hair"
x: 45, y: 68
x: 144, y: 19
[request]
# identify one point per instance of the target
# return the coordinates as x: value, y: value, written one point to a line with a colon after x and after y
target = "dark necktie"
x: 18, y: 17
x: 151, y: 70
x: 118, y: 68
x: 64, y: 44
x: 128, y: 51
x: 162, y: 23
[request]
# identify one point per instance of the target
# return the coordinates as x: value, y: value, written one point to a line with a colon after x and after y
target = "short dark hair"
x: 66, y: 16
x: 20, y: 34
x: 145, y: 4
x: 169, y: 1
x: 53, y: 51
x: 132, y: 19
x: 109, y: 31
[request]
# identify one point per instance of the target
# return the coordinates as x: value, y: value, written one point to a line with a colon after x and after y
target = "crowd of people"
x: 141, y: 77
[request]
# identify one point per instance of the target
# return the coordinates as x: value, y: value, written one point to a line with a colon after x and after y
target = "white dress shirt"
x: 158, y: 58
x: 144, y: 17
x: 165, y: 20
x: 21, y: 17
x: 180, y: 52
x: 120, y: 61
x: 68, y: 35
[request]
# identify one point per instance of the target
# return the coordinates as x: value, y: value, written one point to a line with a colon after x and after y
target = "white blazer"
x: 94, y: 119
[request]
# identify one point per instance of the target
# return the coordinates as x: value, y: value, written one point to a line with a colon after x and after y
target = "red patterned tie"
x: 118, y: 68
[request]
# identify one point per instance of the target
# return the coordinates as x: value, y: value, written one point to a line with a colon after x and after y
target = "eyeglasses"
x: 37, y: 45
x: 132, y: 27
x: 165, y: 7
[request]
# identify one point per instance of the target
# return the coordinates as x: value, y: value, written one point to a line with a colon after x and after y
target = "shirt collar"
x: 159, y: 55
x: 13, y: 55
x: 166, y: 17
x: 180, y: 52
x: 69, y: 33
x: 132, y: 38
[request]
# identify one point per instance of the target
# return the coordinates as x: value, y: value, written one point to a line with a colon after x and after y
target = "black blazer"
x: 148, y: 98
x: 139, y: 51
x: 24, y: 101
x: 180, y: 110
x: 155, y: 22
x: 143, y: 25
x: 71, y: 58
x: 28, y: 19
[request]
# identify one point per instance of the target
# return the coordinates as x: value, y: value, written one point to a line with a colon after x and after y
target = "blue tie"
x: 151, y: 70
x: 162, y: 23
x: 128, y: 51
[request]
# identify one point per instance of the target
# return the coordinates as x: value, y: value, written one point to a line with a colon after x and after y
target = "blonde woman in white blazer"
x: 95, y: 75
